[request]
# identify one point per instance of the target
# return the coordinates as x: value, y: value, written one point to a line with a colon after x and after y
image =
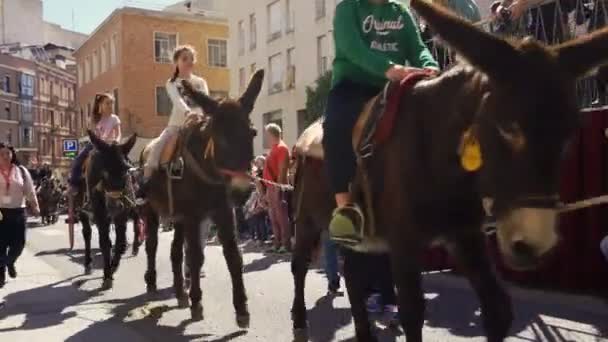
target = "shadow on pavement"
x: 142, y: 314
x: 76, y: 256
x: 457, y: 310
x: 42, y: 306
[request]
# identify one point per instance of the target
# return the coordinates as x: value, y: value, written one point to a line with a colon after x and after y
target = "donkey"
x: 48, y: 197
x: 516, y: 102
x: 107, y: 179
x: 217, y: 153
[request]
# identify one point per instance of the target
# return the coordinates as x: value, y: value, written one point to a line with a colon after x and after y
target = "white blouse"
x: 183, y: 104
x: 17, y: 190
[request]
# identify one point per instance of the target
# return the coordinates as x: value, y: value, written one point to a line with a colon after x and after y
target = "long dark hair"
x: 96, y: 117
x: 14, y: 159
x: 177, y: 54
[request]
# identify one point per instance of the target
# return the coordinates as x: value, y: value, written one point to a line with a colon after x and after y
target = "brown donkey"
x: 516, y: 102
x: 217, y: 154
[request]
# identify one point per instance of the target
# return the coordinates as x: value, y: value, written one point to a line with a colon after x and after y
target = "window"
x: 26, y: 137
x: 95, y: 64
x: 274, y: 20
x: 116, y: 103
x: 252, y: 68
x: 27, y: 85
x: 87, y: 70
x: 7, y: 111
x: 104, y: 57
x: 241, y: 38
x: 218, y: 53
x: 7, y: 84
x: 26, y: 110
x: 291, y: 68
x: 275, y: 117
x: 253, y: 32
x: 9, y: 136
x: 320, y: 8
x: 163, y: 102
x: 80, y: 77
x: 241, y: 79
x: 291, y: 17
x: 302, y: 120
x: 275, y: 67
x: 113, y: 47
x: 321, y: 55
x: 164, y: 45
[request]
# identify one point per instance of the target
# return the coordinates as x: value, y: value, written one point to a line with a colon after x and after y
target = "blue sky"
x: 90, y: 13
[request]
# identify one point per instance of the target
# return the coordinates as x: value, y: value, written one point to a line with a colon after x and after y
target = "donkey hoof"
x: 87, y: 270
x: 151, y: 289
x: 183, y: 302
x: 107, y: 284
x: 135, y: 252
x: 300, y: 335
x: 197, y: 313
x: 242, y: 320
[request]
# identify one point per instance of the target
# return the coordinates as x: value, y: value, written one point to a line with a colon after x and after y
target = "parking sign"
x: 70, y: 147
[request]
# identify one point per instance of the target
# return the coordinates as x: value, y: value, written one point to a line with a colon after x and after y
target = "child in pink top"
x: 106, y: 127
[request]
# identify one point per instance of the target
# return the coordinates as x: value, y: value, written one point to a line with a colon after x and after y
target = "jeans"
x: 604, y: 247
x: 344, y: 105
x: 258, y: 227
x: 330, y: 254
x: 76, y: 171
x: 12, y: 236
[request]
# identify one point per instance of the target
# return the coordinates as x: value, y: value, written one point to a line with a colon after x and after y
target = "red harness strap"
x: 387, y: 122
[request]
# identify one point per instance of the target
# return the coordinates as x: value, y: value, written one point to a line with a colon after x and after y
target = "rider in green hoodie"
x: 376, y: 41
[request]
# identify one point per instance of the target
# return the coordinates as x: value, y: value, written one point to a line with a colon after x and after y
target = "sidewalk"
x: 42, y: 306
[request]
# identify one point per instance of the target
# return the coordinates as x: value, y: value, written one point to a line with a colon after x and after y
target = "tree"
x: 316, y: 98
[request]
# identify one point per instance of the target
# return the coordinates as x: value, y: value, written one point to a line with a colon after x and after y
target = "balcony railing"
x: 551, y: 22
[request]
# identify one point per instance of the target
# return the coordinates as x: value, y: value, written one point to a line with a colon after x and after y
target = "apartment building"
x: 291, y: 40
x: 130, y: 56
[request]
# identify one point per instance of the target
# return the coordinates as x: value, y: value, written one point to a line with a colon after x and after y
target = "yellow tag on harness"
x: 470, y: 152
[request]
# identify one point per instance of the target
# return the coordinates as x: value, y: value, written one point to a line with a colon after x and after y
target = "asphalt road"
x: 52, y: 301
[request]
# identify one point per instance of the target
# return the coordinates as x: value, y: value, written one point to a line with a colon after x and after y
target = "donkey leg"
x: 151, y: 248
x: 106, y: 250
x: 355, y: 281
x: 407, y: 276
x: 177, y: 257
x: 86, y: 235
x: 496, y: 308
x: 136, y: 237
x: 121, y: 243
x: 195, y: 263
x: 306, y: 239
x: 224, y: 219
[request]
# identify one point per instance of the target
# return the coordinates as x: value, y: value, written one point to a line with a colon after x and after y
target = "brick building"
x: 130, y: 56
x: 56, y: 116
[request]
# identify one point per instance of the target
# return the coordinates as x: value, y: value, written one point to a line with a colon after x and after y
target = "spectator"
x: 256, y: 208
x: 604, y: 247
x: 598, y: 20
x: 276, y: 171
x: 16, y: 191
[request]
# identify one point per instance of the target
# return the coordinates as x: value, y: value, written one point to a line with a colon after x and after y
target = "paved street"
x: 52, y: 301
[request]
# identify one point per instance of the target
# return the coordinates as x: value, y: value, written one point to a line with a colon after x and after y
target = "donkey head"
x: 229, y: 132
x: 525, y: 118
x: 109, y: 170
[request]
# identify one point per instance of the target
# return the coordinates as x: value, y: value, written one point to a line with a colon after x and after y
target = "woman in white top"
x: 16, y: 189
x: 184, y: 58
x: 106, y: 126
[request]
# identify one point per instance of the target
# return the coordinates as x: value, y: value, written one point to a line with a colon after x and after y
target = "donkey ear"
x: 98, y: 143
x: 248, y: 98
x: 127, y: 146
x: 493, y: 55
x: 582, y: 55
x: 207, y: 103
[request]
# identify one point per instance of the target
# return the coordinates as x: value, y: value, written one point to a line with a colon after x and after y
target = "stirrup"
x: 355, y: 237
x: 175, y: 169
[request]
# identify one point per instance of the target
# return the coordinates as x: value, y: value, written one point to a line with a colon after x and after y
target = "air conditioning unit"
x: 291, y: 77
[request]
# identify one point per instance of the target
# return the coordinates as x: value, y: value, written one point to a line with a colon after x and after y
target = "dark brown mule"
x: 216, y: 154
x: 518, y: 101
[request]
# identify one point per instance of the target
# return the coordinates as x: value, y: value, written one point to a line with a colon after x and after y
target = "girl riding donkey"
x: 374, y: 40
x: 184, y: 109
x: 106, y: 126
